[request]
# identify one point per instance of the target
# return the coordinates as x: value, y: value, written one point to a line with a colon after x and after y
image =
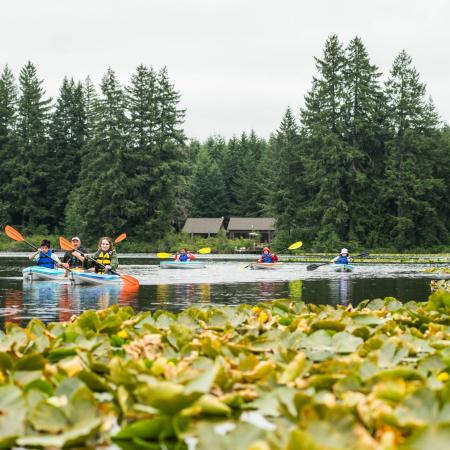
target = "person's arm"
x: 34, y: 255
x: 191, y: 257
x: 114, y: 261
x: 56, y: 258
x: 335, y: 259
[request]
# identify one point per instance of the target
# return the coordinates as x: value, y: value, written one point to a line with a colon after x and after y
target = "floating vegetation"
x: 280, y: 375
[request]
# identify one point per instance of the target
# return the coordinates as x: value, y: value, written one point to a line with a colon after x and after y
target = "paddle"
x: 202, y: 251
x: 66, y: 245
x: 364, y: 254
x: 16, y: 236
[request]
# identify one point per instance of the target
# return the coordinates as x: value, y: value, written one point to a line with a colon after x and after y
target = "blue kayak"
x: 38, y: 273
x: 342, y: 267
x: 93, y: 278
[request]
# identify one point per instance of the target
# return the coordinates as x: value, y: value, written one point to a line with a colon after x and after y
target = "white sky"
x: 238, y: 64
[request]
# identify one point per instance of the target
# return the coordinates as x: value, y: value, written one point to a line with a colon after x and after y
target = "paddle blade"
x: 129, y: 279
x: 13, y: 234
x: 120, y: 238
x: 205, y: 250
x: 65, y: 244
x: 364, y: 254
x: 295, y: 245
x: 313, y: 266
x: 164, y: 255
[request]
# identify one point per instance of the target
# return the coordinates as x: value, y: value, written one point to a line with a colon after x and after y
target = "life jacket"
x: 103, y: 258
x: 183, y: 257
x: 342, y: 260
x: 73, y: 261
x: 266, y: 258
x: 45, y: 260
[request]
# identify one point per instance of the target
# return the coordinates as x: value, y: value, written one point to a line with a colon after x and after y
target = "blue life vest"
x: 183, y: 257
x: 342, y: 260
x: 266, y: 258
x: 45, y: 260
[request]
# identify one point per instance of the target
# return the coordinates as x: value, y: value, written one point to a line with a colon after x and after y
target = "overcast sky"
x: 238, y: 64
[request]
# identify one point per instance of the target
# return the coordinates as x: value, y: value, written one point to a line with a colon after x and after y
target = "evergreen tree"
x: 207, y: 193
x: 68, y: 132
x: 285, y: 194
x: 32, y: 164
x: 8, y: 141
x: 99, y: 205
x: 249, y: 183
x: 411, y: 192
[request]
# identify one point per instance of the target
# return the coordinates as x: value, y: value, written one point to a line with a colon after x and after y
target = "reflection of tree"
x: 13, y: 307
x: 295, y: 290
x: 162, y: 293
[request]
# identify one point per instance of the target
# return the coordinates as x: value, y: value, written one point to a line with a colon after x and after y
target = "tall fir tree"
x: 100, y: 204
x: 8, y: 141
x: 411, y: 192
x: 32, y: 164
x: 249, y: 183
x: 68, y: 133
x: 207, y: 193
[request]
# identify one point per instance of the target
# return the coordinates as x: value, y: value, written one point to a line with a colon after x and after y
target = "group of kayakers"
x: 102, y: 261
x: 105, y: 258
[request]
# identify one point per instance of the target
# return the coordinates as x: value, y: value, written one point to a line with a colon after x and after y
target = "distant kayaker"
x: 267, y: 257
x: 72, y: 259
x: 45, y: 256
x: 343, y: 258
x: 184, y: 255
x: 105, y: 255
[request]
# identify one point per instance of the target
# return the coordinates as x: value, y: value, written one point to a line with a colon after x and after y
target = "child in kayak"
x: 105, y: 255
x: 72, y: 259
x: 267, y: 257
x: 45, y: 256
x: 343, y: 258
x: 184, y: 255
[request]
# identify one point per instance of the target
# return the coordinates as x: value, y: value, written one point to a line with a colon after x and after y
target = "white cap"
x: 77, y: 238
x: 344, y: 250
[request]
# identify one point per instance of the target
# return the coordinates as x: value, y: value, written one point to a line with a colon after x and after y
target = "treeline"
x: 364, y: 163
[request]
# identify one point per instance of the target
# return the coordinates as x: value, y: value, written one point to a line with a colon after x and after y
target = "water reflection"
x: 296, y: 290
x: 341, y: 290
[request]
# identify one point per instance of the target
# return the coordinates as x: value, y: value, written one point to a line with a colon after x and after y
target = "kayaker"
x: 105, y: 255
x: 72, y: 259
x: 343, y: 258
x: 267, y: 257
x: 45, y: 256
x: 184, y: 255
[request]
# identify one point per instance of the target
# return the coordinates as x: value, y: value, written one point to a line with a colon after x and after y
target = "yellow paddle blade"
x: 164, y: 255
x: 205, y: 250
x: 295, y: 245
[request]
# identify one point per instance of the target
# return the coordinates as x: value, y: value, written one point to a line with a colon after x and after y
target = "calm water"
x: 222, y: 282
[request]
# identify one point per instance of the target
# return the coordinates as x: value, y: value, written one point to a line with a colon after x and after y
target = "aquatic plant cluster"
x: 279, y: 375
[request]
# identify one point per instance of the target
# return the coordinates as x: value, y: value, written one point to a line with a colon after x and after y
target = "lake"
x: 225, y: 281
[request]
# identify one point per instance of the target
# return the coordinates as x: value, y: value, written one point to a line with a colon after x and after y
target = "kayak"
x: 181, y: 265
x: 37, y: 273
x: 342, y: 267
x: 270, y: 266
x: 93, y: 278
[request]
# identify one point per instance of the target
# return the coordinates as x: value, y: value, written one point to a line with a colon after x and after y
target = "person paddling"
x: 73, y: 259
x: 105, y: 255
x: 45, y: 256
x: 184, y: 255
x: 267, y: 257
x: 343, y: 258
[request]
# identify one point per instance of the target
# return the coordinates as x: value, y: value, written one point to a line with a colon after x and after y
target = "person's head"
x: 183, y: 251
x: 266, y: 250
x: 76, y: 242
x: 344, y: 252
x: 105, y: 244
x: 45, y: 245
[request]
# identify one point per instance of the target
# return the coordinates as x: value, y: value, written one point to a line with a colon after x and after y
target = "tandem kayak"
x: 93, y: 278
x: 270, y: 266
x: 342, y: 267
x: 181, y: 265
x: 37, y: 273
